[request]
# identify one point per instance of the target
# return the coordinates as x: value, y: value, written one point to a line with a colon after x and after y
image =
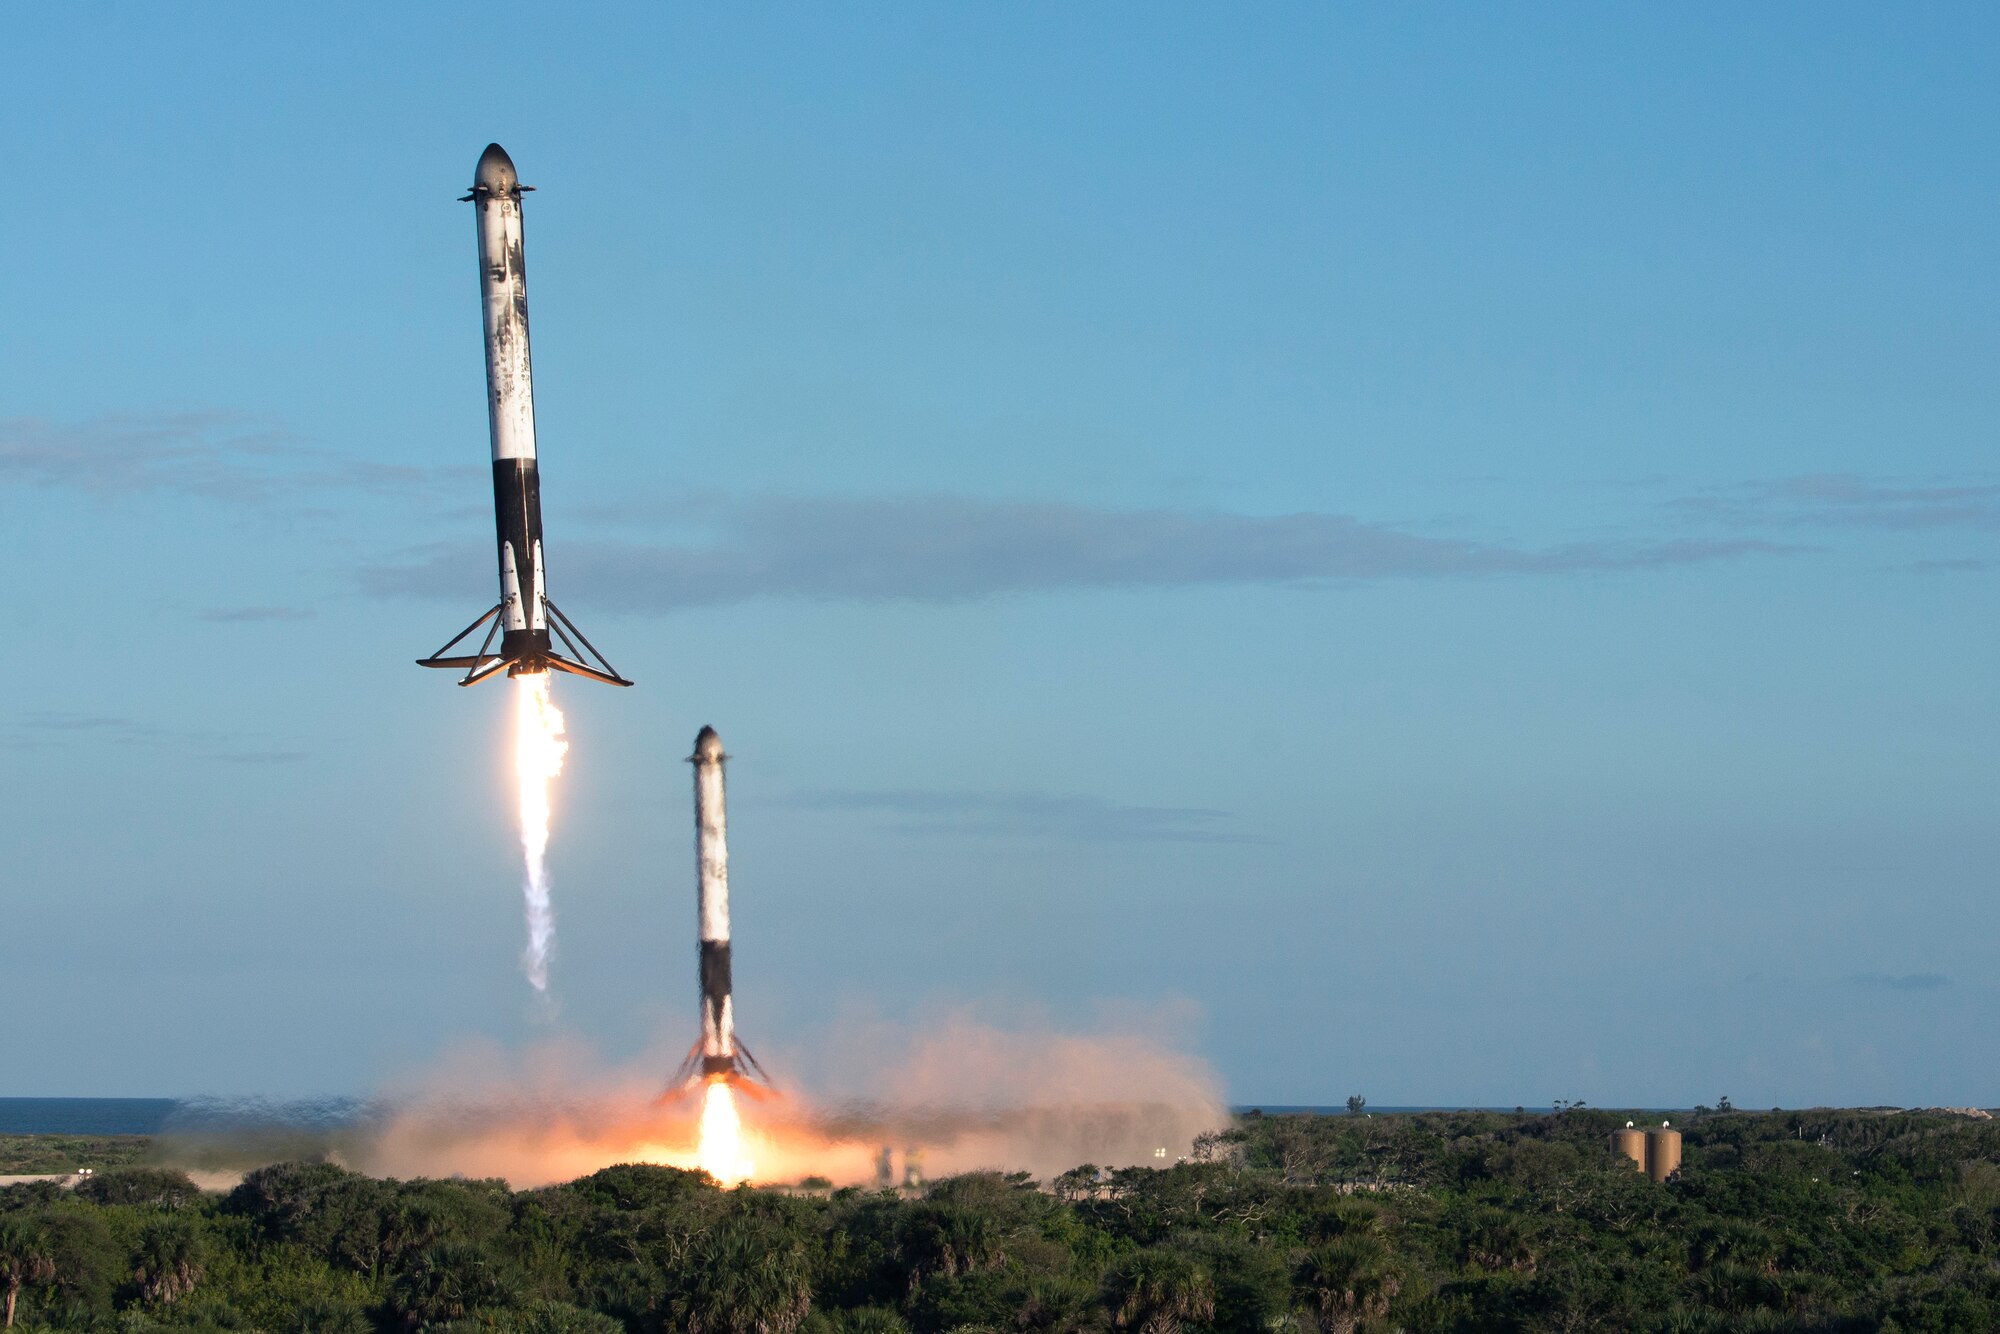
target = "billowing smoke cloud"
x: 957, y: 1095
x: 969, y: 1094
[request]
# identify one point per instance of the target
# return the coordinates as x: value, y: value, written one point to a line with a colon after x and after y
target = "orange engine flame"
x: 721, y: 1152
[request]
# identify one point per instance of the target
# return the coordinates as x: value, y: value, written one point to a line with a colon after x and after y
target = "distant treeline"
x: 1825, y: 1221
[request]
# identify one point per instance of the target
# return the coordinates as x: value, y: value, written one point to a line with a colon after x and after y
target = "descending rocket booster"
x: 524, y: 616
x: 718, y: 1054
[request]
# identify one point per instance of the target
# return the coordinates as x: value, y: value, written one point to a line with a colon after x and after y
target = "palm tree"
x: 24, y: 1258
x: 747, y: 1281
x: 1347, y: 1281
x: 445, y: 1282
x: 948, y: 1239
x: 170, y: 1262
x: 1160, y: 1292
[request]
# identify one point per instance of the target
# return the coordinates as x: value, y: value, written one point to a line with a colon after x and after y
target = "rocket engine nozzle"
x: 739, y: 1070
x: 525, y: 653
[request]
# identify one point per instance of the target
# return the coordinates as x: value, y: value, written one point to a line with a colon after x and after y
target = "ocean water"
x: 84, y: 1116
x: 151, y: 1116
x: 155, y: 1116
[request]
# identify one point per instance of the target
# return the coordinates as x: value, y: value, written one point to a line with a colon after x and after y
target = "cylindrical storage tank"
x: 1663, y: 1153
x: 1630, y: 1143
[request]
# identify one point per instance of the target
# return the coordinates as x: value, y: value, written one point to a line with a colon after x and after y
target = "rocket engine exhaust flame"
x: 720, y: 1151
x: 539, y: 748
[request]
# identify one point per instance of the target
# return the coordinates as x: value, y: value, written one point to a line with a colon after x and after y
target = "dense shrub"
x: 1822, y: 1221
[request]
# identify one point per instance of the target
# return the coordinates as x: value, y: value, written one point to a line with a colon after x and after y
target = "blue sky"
x: 1457, y: 546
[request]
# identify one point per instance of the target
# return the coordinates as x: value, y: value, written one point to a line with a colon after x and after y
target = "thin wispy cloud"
x: 55, y: 727
x: 1033, y: 815
x: 251, y: 615
x: 261, y: 756
x: 947, y: 548
x: 212, y: 456
x: 1901, y: 981
x: 1849, y: 500
x: 52, y: 729
x: 1954, y: 565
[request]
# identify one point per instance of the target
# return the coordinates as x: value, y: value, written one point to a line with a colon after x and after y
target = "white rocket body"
x: 711, y: 854
x: 521, y: 618
x: 510, y: 403
x: 718, y: 1055
x: 503, y: 292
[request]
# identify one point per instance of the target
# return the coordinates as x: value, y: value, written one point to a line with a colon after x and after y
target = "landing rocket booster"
x: 718, y: 1054
x: 524, y: 616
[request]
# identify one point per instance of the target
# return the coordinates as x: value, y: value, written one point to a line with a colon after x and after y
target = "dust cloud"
x: 875, y: 1103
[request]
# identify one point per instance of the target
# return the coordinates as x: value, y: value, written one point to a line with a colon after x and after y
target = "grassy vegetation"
x: 23, y: 1154
x: 1830, y: 1221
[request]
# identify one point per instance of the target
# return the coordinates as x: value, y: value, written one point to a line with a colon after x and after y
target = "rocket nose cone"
x: 495, y: 171
x: 707, y: 746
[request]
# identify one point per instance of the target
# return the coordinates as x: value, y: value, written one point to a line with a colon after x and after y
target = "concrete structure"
x: 1663, y: 1152
x: 1630, y: 1143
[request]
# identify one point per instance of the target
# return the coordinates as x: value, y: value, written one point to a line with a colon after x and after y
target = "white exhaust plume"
x: 539, y: 748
